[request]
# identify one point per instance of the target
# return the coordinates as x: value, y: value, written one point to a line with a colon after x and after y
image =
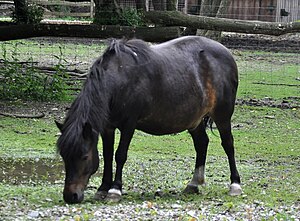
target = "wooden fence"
x: 292, y: 9
x: 252, y: 10
x: 6, y: 7
x: 58, y: 3
x: 47, y: 13
x: 265, y: 10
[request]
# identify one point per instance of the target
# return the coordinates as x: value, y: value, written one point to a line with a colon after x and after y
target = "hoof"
x: 114, y: 196
x: 100, y: 195
x: 191, y: 189
x: 235, y: 189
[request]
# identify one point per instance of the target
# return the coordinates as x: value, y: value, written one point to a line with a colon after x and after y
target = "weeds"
x: 22, y: 80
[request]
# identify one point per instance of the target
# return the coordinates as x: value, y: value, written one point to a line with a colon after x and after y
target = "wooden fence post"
x: 92, y: 8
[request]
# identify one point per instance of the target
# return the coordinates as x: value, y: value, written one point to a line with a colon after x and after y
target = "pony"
x: 159, y: 89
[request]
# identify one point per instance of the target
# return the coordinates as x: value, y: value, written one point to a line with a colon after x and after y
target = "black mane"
x: 124, y: 49
x: 92, y: 104
x: 83, y: 110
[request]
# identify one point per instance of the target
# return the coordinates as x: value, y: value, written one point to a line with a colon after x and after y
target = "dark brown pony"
x: 161, y: 89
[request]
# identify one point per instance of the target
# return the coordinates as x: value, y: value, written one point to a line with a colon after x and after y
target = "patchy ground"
x: 30, y: 109
x: 285, y: 43
x: 57, y: 111
x: 267, y: 156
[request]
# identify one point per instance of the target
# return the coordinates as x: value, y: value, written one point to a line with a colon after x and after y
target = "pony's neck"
x: 91, y: 106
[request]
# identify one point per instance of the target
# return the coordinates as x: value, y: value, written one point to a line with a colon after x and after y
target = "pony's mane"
x: 135, y: 48
x: 92, y: 104
x: 89, y: 107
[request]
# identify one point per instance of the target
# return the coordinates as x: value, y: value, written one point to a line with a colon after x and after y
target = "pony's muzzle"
x: 73, y: 195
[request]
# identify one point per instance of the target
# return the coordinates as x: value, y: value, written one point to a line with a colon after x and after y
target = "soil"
x: 285, y: 43
x: 51, y: 110
x: 57, y: 111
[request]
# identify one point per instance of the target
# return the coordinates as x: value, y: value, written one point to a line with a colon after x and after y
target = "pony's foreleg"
x: 200, y: 140
x: 115, y: 192
x: 108, y: 138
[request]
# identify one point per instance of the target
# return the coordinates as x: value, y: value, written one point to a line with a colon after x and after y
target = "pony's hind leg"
x: 224, y: 127
x: 200, y: 140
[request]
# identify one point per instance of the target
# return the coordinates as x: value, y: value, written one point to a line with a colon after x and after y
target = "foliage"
x: 70, y: 18
x: 126, y: 17
x: 131, y: 17
x: 31, y: 14
x: 20, y: 81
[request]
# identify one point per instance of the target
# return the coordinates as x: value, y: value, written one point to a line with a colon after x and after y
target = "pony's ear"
x: 87, y: 130
x: 59, y: 125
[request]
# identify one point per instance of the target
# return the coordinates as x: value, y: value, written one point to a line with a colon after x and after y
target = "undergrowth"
x: 126, y: 17
x: 23, y: 80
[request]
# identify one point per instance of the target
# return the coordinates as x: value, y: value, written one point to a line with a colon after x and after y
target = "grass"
x: 266, y: 74
x: 267, y: 151
x: 39, y: 49
x: 262, y: 74
x: 34, y: 138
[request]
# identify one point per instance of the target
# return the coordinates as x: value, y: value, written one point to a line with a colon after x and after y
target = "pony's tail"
x: 208, y: 122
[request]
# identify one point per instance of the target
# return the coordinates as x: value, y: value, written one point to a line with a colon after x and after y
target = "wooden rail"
x: 4, y: 10
x: 47, y: 13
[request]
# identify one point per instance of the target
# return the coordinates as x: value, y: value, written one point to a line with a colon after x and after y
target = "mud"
x: 285, y: 43
x: 29, y: 170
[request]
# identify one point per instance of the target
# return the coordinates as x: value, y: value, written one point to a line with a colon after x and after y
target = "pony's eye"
x: 84, y: 158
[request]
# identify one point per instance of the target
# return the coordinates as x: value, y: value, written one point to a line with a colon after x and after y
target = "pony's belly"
x: 168, y: 125
x: 159, y: 130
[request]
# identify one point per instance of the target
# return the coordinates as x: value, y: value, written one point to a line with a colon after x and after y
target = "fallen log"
x: 175, y: 18
x: 21, y: 31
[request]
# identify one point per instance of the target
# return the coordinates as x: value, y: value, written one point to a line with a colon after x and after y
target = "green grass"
x: 73, y: 55
x: 266, y: 74
x: 32, y: 138
x: 267, y: 152
x: 262, y: 74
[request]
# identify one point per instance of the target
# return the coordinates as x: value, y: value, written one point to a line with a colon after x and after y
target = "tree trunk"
x: 158, y: 5
x: 20, y: 14
x: 223, y: 8
x: 141, y: 5
x: 211, y: 8
x: 106, y: 12
x: 219, y: 9
x: 153, y: 34
x: 206, y: 8
x: 172, y: 5
x: 169, y: 18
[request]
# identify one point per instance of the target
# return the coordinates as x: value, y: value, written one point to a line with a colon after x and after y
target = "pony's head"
x: 78, y: 148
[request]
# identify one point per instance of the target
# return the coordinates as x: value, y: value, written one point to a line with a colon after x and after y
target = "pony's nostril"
x: 75, y: 197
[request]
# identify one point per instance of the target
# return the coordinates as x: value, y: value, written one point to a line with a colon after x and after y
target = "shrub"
x: 29, y: 14
x: 126, y: 17
x: 131, y: 17
x: 19, y: 81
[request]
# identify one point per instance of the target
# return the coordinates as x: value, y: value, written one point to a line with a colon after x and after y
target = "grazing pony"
x: 161, y: 89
